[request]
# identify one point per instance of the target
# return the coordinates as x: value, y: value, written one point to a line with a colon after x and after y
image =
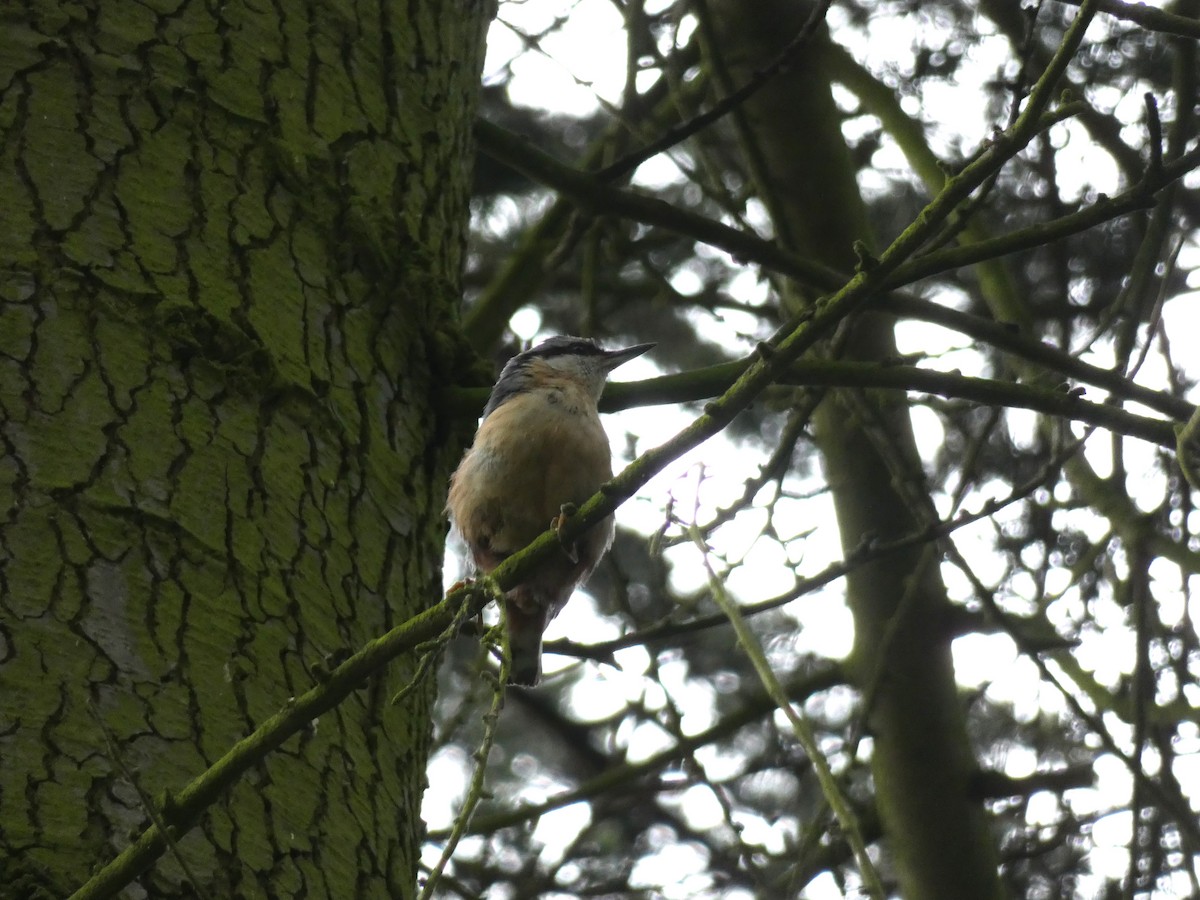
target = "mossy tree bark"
x: 230, y: 246
x: 922, y: 761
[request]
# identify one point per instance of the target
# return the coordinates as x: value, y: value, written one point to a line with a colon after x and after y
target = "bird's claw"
x: 565, y: 512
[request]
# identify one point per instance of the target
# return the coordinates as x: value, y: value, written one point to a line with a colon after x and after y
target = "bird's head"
x: 579, y: 360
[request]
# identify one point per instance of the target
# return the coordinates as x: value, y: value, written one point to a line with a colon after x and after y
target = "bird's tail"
x: 526, y: 622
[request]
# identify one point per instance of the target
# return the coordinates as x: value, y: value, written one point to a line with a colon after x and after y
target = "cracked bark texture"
x: 921, y: 758
x: 230, y: 243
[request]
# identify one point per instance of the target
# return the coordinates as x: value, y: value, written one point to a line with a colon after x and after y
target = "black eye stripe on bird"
x: 540, y: 446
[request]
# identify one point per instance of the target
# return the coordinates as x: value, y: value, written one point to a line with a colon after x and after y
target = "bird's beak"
x: 614, y: 358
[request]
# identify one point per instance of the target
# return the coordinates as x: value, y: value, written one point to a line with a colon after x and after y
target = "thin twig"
x: 803, y: 731
x: 727, y: 104
x: 491, y: 718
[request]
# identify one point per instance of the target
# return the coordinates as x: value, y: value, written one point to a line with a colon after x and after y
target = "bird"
x: 539, y: 451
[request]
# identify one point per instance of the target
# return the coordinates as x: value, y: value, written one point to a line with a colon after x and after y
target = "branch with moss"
x: 1148, y: 17
x: 1061, y: 401
x: 182, y: 811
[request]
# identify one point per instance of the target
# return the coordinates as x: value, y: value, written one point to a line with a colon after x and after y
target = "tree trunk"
x: 921, y: 761
x: 230, y: 246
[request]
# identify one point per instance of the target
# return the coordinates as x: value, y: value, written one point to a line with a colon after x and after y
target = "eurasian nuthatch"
x: 539, y: 447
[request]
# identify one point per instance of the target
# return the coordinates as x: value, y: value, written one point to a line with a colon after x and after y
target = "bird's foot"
x: 565, y: 512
